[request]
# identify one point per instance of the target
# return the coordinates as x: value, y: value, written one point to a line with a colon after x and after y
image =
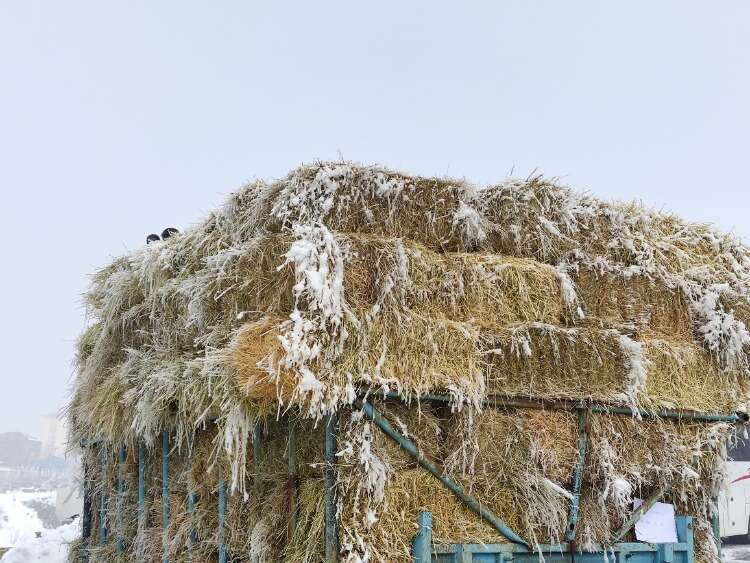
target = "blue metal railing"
x: 423, y: 548
x: 141, y: 487
x: 425, y: 551
x: 331, y: 531
x: 104, y: 501
x: 222, y: 514
x: 570, y: 533
x: 165, y: 495
x: 120, y: 547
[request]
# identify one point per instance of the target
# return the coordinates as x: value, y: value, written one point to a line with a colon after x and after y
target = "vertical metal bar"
x: 141, y: 487
x: 257, y: 447
x: 222, y: 514
x: 190, y: 510
x: 192, y: 498
x: 120, y: 500
x: 685, y: 535
x: 716, y: 525
x: 87, y: 502
x: 575, y: 504
x: 165, y: 495
x: 191, y: 502
x: 87, y: 493
x: 331, y: 533
x: 292, y: 476
x: 86, y: 519
x: 665, y: 553
x: 421, y: 547
x: 104, y: 500
x: 682, y: 524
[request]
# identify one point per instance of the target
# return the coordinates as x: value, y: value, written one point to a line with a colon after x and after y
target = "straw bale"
x: 373, y: 200
x: 682, y: 374
x: 648, y: 450
x: 307, y: 542
x: 534, y: 218
x: 531, y: 454
x: 273, y: 460
x: 591, y: 364
x: 629, y: 458
x: 507, y: 442
x: 385, y: 274
x: 490, y: 289
x: 421, y: 354
x: 256, y: 356
x: 638, y: 304
x: 536, y: 360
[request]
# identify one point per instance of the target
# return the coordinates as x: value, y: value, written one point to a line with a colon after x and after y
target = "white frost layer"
x: 470, y: 223
x: 635, y: 363
x: 315, y: 329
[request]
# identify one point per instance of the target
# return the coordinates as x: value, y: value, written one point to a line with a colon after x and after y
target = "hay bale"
x: 530, y: 360
x: 629, y: 458
x: 393, y: 274
x: 528, y: 454
x: 519, y: 458
x: 384, y: 275
x: 373, y: 200
x: 423, y: 354
x: 533, y: 218
x: 637, y: 304
x: 256, y: 355
x: 307, y: 542
x: 536, y: 360
x: 682, y: 374
x: 507, y: 442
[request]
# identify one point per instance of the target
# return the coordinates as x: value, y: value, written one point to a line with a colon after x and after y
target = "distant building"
x: 17, y: 449
x: 54, y: 436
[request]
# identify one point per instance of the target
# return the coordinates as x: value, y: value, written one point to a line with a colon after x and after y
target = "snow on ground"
x: 735, y: 553
x: 20, y: 524
x: 18, y: 520
x: 51, y: 547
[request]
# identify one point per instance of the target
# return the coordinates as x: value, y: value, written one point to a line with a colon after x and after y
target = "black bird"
x: 168, y: 232
x: 152, y: 238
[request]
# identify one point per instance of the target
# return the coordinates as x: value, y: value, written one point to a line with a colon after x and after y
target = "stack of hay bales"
x: 298, y: 296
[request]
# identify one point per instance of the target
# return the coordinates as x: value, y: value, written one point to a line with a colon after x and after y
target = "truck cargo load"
x: 356, y: 364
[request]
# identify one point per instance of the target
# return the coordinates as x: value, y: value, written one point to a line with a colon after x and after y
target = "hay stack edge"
x: 300, y: 298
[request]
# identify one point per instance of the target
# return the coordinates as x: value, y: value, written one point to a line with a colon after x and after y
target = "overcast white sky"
x: 120, y: 118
